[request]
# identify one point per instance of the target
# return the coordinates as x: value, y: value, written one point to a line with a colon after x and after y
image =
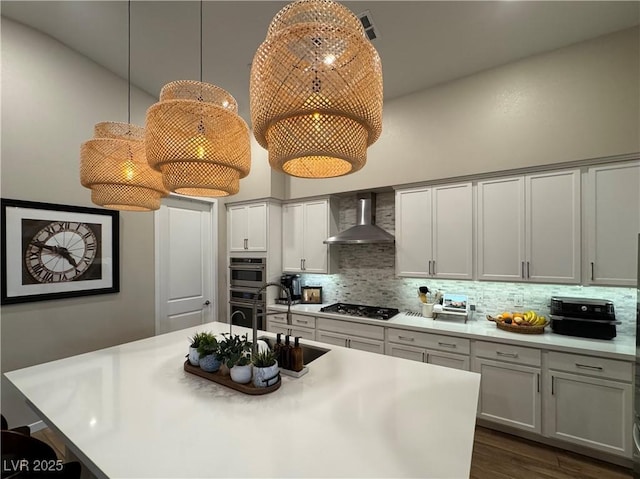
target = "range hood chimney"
x: 366, y: 231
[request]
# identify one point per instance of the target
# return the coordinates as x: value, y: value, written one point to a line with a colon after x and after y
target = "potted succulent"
x: 235, y: 352
x: 208, y: 353
x: 194, y: 343
x: 265, y: 369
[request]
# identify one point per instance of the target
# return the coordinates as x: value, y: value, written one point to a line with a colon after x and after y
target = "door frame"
x: 213, y: 212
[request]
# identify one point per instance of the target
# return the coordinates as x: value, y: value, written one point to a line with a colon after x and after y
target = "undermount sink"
x: 309, y: 353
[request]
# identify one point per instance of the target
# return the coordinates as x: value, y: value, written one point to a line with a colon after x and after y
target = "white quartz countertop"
x: 620, y: 347
x: 131, y: 411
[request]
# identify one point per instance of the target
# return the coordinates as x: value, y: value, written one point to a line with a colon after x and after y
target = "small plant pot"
x: 210, y: 363
x: 194, y: 356
x: 241, y: 374
x: 264, y: 377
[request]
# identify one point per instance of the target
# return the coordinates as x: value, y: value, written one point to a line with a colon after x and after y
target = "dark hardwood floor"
x: 497, y: 455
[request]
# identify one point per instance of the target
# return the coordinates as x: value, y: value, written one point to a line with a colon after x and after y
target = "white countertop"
x: 132, y: 411
x: 620, y: 347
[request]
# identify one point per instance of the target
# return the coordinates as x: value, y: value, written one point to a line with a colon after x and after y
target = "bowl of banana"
x: 528, y: 322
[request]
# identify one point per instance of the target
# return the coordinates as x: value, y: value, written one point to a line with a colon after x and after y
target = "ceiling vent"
x: 369, y: 27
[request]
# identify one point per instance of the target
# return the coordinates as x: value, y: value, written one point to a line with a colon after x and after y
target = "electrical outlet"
x: 518, y: 300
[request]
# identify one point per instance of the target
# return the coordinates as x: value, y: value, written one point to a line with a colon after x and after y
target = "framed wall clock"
x: 54, y: 251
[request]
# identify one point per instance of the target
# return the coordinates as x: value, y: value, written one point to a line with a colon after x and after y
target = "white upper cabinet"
x: 528, y: 228
x: 613, y: 223
x: 434, y: 232
x: 500, y: 229
x: 305, y: 226
x: 413, y: 232
x: 247, y: 226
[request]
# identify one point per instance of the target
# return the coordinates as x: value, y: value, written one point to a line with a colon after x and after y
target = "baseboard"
x: 37, y: 426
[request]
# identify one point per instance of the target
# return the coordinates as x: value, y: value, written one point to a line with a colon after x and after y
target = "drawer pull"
x: 405, y: 338
x: 538, y: 380
x: 591, y: 368
x: 447, y: 345
x: 301, y: 321
x: 507, y: 355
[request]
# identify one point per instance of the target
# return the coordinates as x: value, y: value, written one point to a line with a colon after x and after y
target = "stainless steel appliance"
x: 292, y: 283
x: 246, y: 277
x: 636, y: 390
x: 365, y: 231
x: 247, y: 272
x: 371, y: 312
x: 584, y: 317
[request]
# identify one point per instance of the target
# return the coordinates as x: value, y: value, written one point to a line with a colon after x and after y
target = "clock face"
x: 61, y: 251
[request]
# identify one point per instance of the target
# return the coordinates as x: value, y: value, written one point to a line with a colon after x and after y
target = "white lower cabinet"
x: 589, y: 409
x: 301, y: 325
x: 509, y: 386
x: 352, y: 335
x: 435, y: 348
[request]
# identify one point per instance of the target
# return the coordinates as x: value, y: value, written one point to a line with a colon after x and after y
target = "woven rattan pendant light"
x: 196, y: 139
x: 113, y: 163
x: 316, y: 91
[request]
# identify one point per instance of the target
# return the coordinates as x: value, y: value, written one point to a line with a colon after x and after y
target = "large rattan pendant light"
x: 316, y: 91
x: 196, y: 139
x: 113, y: 164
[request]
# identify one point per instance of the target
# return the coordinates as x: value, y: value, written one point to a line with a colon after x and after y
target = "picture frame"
x: 51, y: 251
x: 311, y: 294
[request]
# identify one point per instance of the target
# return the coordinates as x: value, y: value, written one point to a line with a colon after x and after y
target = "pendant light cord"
x: 200, y: 41
x: 129, y: 63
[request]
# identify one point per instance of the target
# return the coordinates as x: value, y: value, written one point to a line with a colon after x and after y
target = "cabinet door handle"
x: 348, y: 342
x: 522, y: 268
x: 300, y: 263
x: 425, y: 357
x: 538, y: 379
x: 590, y: 368
x: 246, y: 243
x: 507, y: 355
x: 429, y: 266
x: 528, y: 275
x: 592, y: 271
x: 552, y: 386
x: 434, y: 266
x: 304, y: 264
x: 406, y: 338
x: 447, y: 345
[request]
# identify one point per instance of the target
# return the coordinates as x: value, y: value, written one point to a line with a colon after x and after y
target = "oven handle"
x: 244, y: 289
x: 247, y: 267
x: 248, y: 303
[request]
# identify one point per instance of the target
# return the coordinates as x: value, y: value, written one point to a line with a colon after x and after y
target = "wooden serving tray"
x: 518, y: 329
x: 226, y: 380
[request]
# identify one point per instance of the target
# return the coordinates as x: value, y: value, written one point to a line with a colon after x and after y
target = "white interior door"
x: 184, y: 264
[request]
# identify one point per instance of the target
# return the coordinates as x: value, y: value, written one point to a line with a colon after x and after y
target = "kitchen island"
x: 132, y: 411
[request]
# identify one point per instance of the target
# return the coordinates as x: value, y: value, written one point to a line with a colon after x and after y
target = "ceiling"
x: 420, y: 43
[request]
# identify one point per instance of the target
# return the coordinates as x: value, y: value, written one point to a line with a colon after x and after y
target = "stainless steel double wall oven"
x: 246, y: 275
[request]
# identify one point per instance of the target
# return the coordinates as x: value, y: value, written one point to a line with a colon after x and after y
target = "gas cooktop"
x: 372, y: 312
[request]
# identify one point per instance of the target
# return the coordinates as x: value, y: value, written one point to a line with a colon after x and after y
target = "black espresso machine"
x: 292, y: 283
x: 587, y: 318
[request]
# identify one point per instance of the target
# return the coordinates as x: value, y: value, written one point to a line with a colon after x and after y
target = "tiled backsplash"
x: 367, y: 276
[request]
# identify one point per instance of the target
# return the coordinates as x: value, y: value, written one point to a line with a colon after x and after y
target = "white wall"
x: 51, y: 98
x: 574, y: 103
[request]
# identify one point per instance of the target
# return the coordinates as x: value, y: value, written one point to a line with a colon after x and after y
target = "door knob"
x: 206, y: 303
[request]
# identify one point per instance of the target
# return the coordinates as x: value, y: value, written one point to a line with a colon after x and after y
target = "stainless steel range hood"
x: 366, y: 231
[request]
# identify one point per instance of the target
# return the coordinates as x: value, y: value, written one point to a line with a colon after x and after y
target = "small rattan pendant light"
x: 113, y: 164
x: 196, y: 139
x: 316, y: 91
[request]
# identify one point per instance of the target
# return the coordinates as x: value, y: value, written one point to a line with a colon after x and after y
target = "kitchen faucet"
x: 254, y: 349
x: 231, y: 320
